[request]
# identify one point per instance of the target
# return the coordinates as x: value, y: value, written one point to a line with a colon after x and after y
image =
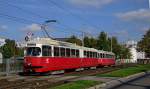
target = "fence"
x: 144, y: 61
x: 12, y: 65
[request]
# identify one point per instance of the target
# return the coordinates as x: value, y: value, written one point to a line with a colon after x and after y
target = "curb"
x: 120, y: 81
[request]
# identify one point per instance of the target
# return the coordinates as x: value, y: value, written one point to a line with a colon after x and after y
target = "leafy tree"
x: 144, y: 44
x: 10, y: 50
x: 102, y: 42
x: 93, y: 43
x: 90, y: 42
x: 74, y: 39
x: 120, y: 50
x: 86, y: 41
x: 19, y: 52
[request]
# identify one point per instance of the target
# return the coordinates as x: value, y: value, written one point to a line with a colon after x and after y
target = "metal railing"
x: 11, y: 66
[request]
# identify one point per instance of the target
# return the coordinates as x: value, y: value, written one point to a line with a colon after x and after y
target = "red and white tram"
x: 47, y: 55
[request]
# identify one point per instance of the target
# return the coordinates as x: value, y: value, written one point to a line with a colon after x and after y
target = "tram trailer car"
x: 47, y: 55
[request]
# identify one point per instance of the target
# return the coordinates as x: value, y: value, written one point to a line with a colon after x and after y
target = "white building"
x: 132, y: 45
x: 21, y: 44
x: 140, y: 55
x: 2, y: 41
x: 1, y: 58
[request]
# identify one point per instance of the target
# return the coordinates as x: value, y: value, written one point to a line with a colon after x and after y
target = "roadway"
x: 138, y: 83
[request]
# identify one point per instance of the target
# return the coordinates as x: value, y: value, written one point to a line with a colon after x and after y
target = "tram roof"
x: 49, y: 41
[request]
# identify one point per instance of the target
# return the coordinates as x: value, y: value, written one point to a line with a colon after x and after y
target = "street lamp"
x: 43, y: 26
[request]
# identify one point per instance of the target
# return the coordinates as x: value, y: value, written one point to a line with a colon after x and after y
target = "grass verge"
x: 126, y: 71
x: 80, y: 84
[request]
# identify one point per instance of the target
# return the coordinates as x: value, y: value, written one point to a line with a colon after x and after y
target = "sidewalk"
x: 115, y: 84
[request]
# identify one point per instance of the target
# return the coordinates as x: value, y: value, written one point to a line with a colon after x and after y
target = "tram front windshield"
x: 33, y: 51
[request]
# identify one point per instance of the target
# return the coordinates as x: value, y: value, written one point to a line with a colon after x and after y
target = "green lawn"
x: 126, y: 71
x: 80, y: 84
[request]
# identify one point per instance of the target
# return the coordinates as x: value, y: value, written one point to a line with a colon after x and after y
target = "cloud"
x: 141, y: 15
x: 144, y: 29
x: 32, y: 28
x: 90, y: 3
x: 3, y: 27
x: 121, y: 33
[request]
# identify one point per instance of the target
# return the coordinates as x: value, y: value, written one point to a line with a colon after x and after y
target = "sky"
x: 125, y: 19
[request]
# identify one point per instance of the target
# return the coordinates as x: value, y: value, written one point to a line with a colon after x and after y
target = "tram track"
x: 42, y: 82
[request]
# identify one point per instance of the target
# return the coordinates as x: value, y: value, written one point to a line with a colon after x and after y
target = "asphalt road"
x: 139, y: 83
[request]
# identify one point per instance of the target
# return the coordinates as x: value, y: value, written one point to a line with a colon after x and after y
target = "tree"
x: 8, y: 50
x: 144, y: 43
x: 102, y: 42
x: 93, y: 43
x: 86, y: 41
x: 90, y: 42
x: 74, y: 39
x: 120, y: 50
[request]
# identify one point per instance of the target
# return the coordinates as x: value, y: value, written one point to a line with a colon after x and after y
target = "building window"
x: 46, y: 50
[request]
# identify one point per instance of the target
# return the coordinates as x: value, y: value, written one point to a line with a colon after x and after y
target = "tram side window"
x: 110, y: 56
x: 91, y: 54
x: 106, y: 55
x: 88, y: 54
x: 67, y: 52
x: 62, y: 52
x: 113, y: 56
x: 77, y: 53
x: 33, y: 51
x: 95, y: 55
x: 73, y: 53
x: 101, y: 55
x: 46, y: 50
x: 85, y: 54
x: 56, y: 51
x: 98, y: 55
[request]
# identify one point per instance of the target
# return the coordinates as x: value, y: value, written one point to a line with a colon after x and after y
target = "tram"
x: 47, y: 55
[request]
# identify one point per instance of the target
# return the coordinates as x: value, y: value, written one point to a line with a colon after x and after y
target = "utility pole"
x: 111, y: 44
x: 83, y: 38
